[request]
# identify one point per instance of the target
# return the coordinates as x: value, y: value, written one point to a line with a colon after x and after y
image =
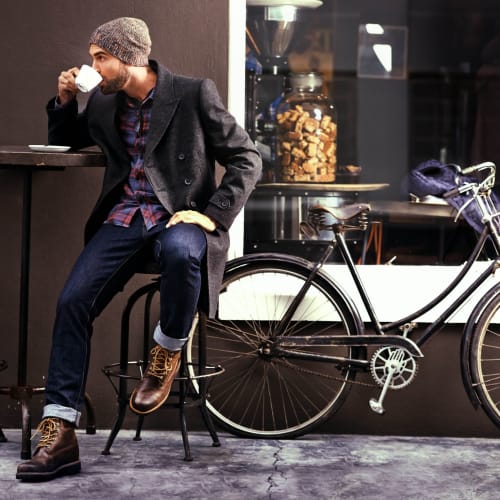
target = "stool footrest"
x: 110, y: 371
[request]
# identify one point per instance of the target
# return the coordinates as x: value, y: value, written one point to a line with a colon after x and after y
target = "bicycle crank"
x: 391, y: 368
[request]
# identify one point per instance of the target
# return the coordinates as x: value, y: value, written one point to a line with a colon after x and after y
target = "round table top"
x: 313, y: 187
x: 23, y: 156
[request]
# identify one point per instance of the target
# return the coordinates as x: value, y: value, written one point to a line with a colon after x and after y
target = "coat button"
x: 188, y: 181
x: 224, y: 204
x: 181, y: 156
x: 193, y: 204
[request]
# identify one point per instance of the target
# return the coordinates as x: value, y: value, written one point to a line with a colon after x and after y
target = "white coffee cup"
x: 87, y: 79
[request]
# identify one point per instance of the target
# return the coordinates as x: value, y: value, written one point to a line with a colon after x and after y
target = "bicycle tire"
x: 485, y: 358
x: 266, y: 397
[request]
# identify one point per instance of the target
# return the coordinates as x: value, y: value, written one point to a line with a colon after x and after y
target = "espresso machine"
x: 271, y: 25
x: 273, y: 213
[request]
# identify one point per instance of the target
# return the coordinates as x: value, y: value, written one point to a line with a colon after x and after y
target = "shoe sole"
x: 139, y: 412
x: 64, y: 470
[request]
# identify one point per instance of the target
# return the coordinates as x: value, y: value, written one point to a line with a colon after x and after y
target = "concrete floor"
x: 313, y: 467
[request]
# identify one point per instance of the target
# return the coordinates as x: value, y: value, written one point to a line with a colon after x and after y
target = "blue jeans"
x: 105, y: 265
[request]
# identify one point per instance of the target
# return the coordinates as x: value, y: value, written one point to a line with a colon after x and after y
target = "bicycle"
x: 291, y: 340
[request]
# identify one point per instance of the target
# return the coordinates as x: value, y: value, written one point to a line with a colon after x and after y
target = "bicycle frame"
x: 439, y: 322
x: 380, y: 336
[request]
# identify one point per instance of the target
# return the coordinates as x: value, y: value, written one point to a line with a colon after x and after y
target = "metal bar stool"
x: 24, y: 395
x: 192, y: 380
x: 15, y: 393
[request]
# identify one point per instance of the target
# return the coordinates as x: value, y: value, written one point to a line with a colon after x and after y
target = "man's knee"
x: 181, y: 243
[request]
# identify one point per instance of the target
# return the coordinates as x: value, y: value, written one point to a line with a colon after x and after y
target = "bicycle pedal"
x: 376, y: 406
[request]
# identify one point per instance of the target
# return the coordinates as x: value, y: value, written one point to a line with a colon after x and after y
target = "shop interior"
x: 404, y: 82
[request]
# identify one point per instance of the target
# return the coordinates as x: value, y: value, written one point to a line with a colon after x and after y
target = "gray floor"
x: 315, y: 466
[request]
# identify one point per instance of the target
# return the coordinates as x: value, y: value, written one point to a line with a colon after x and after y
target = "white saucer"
x: 49, y: 149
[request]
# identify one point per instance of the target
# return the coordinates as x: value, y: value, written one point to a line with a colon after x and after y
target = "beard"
x: 117, y: 83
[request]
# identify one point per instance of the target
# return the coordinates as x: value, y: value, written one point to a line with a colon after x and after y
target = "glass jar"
x: 306, y: 130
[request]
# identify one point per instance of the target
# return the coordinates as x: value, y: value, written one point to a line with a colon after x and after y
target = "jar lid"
x: 305, y: 80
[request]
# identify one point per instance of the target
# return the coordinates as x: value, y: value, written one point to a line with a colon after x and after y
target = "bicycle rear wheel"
x: 485, y: 359
x: 261, y: 395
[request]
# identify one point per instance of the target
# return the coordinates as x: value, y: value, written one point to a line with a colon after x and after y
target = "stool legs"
x: 185, y: 387
x: 202, y: 363
x: 123, y: 396
x: 138, y: 429
x: 183, y: 394
x: 122, y: 408
x: 145, y: 350
x: 23, y: 395
x: 182, y: 414
x: 89, y: 410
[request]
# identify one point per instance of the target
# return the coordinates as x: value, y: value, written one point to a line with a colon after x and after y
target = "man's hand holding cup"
x: 75, y: 79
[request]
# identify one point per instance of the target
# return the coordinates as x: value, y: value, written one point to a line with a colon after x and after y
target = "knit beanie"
x: 126, y: 38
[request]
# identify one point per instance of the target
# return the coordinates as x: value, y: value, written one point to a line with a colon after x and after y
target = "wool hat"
x: 126, y: 38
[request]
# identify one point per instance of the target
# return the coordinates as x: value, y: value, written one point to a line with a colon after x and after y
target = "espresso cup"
x: 87, y: 79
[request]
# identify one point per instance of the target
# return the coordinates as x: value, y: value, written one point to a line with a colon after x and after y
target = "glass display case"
x: 408, y: 81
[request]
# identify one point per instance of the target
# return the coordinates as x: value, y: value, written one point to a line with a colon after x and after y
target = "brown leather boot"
x: 153, y: 389
x: 56, y: 453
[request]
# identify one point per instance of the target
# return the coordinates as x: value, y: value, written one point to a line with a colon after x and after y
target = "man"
x: 161, y: 134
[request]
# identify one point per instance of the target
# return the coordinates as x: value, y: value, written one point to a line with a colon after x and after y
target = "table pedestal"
x: 25, y: 161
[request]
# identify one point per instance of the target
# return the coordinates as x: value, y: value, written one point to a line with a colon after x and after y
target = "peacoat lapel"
x: 165, y: 103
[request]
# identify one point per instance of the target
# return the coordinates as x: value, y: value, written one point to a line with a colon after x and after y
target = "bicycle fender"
x: 468, y: 332
x: 256, y: 259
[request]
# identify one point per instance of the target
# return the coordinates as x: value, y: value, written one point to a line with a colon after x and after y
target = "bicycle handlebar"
x: 485, y: 184
x: 454, y: 192
x: 486, y: 165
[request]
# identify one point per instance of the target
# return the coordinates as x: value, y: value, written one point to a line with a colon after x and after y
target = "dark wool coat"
x: 190, y: 130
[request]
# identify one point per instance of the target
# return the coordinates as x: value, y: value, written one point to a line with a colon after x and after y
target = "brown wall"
x: 38, y: 39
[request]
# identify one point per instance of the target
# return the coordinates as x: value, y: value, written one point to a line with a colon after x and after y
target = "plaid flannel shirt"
x: 134, y: 123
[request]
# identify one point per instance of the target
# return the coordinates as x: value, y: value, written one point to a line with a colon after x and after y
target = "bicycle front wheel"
x: 262, y: 395
x: 485, y: 359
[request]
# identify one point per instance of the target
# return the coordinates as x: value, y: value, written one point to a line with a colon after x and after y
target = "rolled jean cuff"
x: 69, y: 414
x: 167, y: 342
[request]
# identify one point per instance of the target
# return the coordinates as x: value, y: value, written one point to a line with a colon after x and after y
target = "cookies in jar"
x: 306, y: 132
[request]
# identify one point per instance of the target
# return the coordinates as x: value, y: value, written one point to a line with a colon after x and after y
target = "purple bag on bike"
x: 435, y: 178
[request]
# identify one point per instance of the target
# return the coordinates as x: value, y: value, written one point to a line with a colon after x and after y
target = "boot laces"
x: 161, y: 362
x: 48, y: 429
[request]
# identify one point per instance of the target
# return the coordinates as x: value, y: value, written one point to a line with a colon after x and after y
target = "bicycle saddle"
x: 316, y: 220
x: 343, y: 213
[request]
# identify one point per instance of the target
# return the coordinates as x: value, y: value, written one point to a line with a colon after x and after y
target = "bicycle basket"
x: 435, y: 178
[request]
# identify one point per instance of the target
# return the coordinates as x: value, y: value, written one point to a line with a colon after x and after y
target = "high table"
x: 25, y: 161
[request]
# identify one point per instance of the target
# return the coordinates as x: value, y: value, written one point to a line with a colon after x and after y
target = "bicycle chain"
x: 324, y: 375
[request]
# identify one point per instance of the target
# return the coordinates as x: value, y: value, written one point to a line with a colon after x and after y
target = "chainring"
x: 398, y: 359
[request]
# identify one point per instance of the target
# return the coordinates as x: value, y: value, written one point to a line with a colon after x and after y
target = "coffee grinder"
x: 271, y: 25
